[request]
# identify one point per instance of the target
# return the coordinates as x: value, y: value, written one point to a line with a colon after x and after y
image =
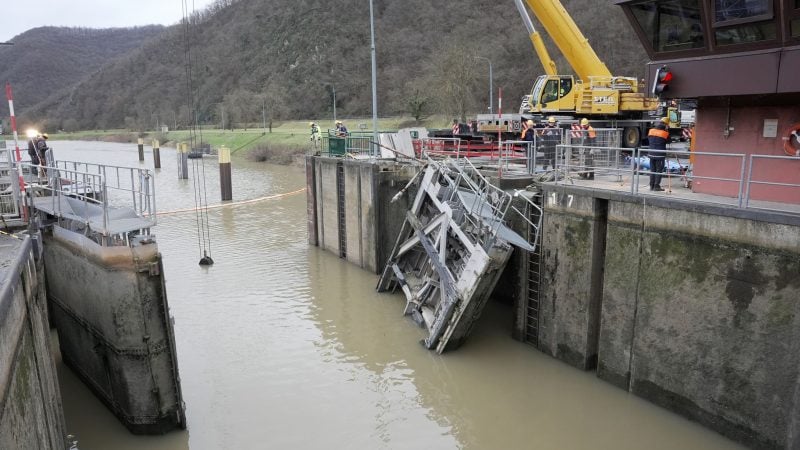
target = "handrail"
x: 95, y: 186
x: 568, y: 164
x: 751, y: 182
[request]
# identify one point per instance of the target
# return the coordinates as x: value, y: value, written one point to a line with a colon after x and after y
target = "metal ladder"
x: 340, y: 210
x: 534, y: 278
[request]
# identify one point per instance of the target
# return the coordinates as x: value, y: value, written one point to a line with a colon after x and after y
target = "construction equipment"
x: 594, y: 91
x: 607, y: 100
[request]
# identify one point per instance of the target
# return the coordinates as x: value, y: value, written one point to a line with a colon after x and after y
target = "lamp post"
x: 374, y: 82
x: 264, y: 113
x: 491, y: 88
x: 333, y: 87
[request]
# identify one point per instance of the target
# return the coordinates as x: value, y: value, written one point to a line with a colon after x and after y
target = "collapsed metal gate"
x: 452, y: 249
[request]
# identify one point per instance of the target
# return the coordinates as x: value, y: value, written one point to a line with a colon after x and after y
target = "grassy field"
x: 287, y: 134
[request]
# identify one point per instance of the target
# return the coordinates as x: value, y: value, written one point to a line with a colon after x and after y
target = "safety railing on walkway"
x: 129, y: 187
x: 354, y: 144
x: 108, y: 200
x: 481, y: 199
x: 771, y: 179
x: 734, y: 179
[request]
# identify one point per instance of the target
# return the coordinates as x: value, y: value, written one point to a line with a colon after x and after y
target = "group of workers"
x: 339, y: 131
x: 550, y: 135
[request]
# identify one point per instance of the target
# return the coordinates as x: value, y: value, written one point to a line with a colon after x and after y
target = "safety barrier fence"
x: 354, y: 144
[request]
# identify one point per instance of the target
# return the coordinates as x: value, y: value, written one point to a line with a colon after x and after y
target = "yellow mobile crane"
x: 595, y: 91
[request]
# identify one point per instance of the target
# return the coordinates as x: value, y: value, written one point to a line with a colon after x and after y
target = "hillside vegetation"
x: 282, y: 59
x: 47, y: 60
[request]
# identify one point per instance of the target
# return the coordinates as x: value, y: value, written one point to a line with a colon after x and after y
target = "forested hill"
x: 45, y: 60
x: 285, y: 57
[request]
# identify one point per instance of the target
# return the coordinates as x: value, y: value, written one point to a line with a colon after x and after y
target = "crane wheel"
x: 631, y: 137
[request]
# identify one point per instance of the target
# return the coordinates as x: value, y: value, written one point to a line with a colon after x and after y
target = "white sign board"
x: 770, y: 128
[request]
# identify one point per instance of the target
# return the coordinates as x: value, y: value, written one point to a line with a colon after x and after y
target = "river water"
x: 281, y: 345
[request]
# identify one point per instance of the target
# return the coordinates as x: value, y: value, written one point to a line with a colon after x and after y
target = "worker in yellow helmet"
x: 588, y: 139
x: 315, y: 135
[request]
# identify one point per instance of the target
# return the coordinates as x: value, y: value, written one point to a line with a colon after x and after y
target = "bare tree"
x: 455, y: 80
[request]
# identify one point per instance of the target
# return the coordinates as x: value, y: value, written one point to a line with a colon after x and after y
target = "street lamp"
x: 333, y: 87
x: 491, y: 88
x: 6, y: 43
x: 374, y: 81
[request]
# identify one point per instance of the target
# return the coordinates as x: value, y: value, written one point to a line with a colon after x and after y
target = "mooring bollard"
x: 156, y: 155
x: 183, y: 161
x: 141, y: 149
x: 225, y: 181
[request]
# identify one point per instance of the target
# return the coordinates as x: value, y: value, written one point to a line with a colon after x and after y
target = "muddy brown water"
x: 281, y: 345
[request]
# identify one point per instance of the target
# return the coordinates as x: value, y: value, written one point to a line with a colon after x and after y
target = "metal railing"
x: 486, y: 205
x: 110, y: 192
x: 743, y: 174
x: 354, y: 144
x: 783, y: 188
x: 122, y: 182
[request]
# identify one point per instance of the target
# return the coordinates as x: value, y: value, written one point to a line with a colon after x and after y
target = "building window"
x: 732, y: 12
x: 671, y: 25
x: 794, y: 24
x: 743, y: 34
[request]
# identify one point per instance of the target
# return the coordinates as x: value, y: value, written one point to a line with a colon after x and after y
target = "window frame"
x: 650, y: 48
x: 792, y: 14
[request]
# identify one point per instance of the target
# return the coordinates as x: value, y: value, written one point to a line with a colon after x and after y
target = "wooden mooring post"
x: 225, y: 181
x: 156, y: 155
x: 141, y: 150
x: 183, y: 161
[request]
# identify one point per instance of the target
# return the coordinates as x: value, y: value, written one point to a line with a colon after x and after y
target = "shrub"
x: 274, y: 153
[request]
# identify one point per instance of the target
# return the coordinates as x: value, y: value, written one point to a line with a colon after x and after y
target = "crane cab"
x: 553, y: 93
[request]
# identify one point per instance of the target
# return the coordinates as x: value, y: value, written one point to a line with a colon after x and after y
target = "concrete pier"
x: 350, y: 208
x: 692, y: 307
x: 112, y: 300
x: 31, y: 415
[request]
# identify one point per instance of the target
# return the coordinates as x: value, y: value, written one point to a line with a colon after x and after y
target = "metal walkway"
x: 99, y: 200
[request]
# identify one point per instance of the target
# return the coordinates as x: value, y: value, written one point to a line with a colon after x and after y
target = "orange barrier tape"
x: 224, y: 205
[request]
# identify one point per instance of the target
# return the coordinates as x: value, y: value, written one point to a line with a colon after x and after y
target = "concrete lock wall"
x: 31, y: 414
x: 112, y: 317
x: 573, y: 237
x: 698, y: 308
x: 371, y: 222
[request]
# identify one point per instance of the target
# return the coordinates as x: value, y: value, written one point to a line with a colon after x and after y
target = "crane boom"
x: 536, y: 39
x: 569, y: 39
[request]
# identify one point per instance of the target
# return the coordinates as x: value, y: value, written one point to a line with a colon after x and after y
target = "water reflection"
x: 284, y: 346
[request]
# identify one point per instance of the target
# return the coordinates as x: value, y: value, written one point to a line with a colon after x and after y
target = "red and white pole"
x: 500, y: 132
x: 10, y: 97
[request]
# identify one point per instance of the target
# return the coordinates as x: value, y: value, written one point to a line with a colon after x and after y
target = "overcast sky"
x: 18, y: 16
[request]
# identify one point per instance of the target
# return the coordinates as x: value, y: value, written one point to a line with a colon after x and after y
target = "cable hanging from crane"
x: 198, y: 167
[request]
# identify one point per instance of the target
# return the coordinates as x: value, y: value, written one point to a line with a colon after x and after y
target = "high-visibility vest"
x: 655, y: 132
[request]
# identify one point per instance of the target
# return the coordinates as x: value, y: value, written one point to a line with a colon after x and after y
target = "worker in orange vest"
x: 657, y: 138
x: 528, y: 131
